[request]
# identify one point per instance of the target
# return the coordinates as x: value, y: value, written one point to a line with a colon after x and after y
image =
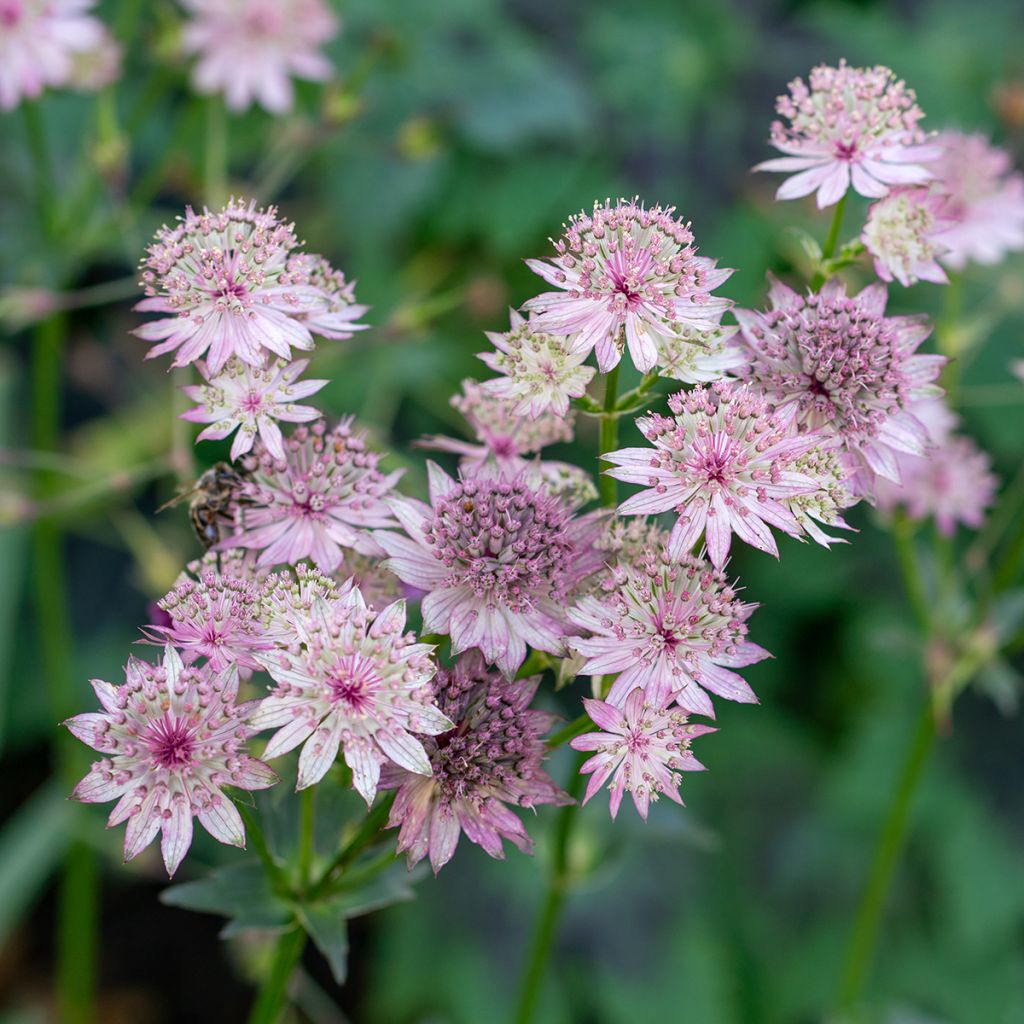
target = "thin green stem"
x: 554, y: 901
x: 77, y: 900
x: 307, y: 809
x: 828, y: 250
x: 255, y: 837
x: 864, y: 937
x: 608, y: 487
x: 364, y: 837
x: 215, y: 157
x: 42, y: 168
x: 274, y: 993
x: 577, y: 727
x: 917, y: 596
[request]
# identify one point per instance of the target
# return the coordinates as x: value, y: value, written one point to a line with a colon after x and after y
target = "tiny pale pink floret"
x: 904, y: 235
x: 172, y: 737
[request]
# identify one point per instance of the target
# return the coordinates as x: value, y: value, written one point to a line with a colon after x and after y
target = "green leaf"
x: 241, y: 892
x: 369, y: 888
x: 325, y: 925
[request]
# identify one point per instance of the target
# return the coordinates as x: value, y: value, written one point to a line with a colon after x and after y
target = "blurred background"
x: 456, y: 137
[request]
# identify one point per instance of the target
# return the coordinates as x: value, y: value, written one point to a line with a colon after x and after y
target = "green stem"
x: 903, y: 534
x: 608, y: 488
x: 77, y: 900
x: 306, y: 836
x: 554, y: 901
x: 577, y: 727
x: 254, y: 835
x: 42, y: 168
x: 828, y: 250
x: 864, y: 937
x: 366, y: 836
x: 274, y: 992
x: 215, y: 161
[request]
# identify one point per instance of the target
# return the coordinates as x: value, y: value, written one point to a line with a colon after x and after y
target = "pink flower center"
x: 638, y: 742
x: 171, y: 742
x: 846, y: 151
x: 252, y: 403
x: 354, y: 683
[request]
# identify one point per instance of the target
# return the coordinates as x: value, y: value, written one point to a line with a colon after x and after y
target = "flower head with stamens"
x: 904, y: 234
x: 676, y: 629
x: 848, y: 125
x: 627, y: 276
x: 698, y: 357
x: 250, y: 49
x: 336, y: 315
x: 232, y: 284
x: 847, y: 370
x: 642, y: 747
x: 983, y: 198
x: 489, y: 762
x: 351, y: 681
x: 724, y: 463
x: 251, y: 400
x: 40, y: 42
x: 504, y: 437
x: 541, y: 371
x: 172, y: 736
x: 216, y: 615
x: 317, y: 502
x: 500, y: 560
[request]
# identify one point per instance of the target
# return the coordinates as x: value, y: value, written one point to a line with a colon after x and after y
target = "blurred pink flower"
x: 848, y: 126
x: 40, y: 41
x: 904, y: 234
x: 251, y: 400
x: 541, y: 371
x: 848, y: 370
x: 724, y: 464
x: 357, y: 682
x: 642, y: 747
x: 232, y: 284
x: 673, y: 628
x: 627, y: 276
x: 172, y: 736
x: 322, y: 498
x: 250, y: 49
x: 984, y: 198
x: 500, y: 560
x: 336, y: 317
x: 953, y: 482
x: 489, y: 760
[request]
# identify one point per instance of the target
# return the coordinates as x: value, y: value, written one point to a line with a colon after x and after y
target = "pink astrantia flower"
x: 953, y: 483
x: 499, y: 560
x: 724, y: 463
x: 251, y: 400
x: 984, y: 198
x: 848, y: 126
x: 217, y: 615
x: 698, y: 357
x: 904, y: 235
x: 336, y: 317
x: 642, y: 747
x: 231, y: 284
x: 317, y: 502
x: 40, y: 41
x: 504, y: 437
x: 491, y: 759
x: 847, y: 369
x: 171, y: 737
x: 356, y: 682
x: 676, y: 629
x: 250, y: 49
x: 627, y: 276
x: 541, y: 371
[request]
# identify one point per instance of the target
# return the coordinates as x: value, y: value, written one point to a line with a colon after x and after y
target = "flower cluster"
x: 490, y: 759
x: 52, y: 44
x: 905, y: 235
x: 250, y: 49
x: 848, y: 126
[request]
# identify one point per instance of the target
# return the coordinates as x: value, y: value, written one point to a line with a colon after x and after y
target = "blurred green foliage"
x: 460, y: 134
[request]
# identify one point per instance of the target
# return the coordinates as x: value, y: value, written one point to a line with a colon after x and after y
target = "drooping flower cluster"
x: 352, y: 681
x: 674, y: 627
x: 52, y: 44
x: 320, y: 500
x: 725, y: 464
x: 499, y: 560
x: 982, y: 197
x: 237, y: 296
x: 628, y: 276
x: 542, y: 371
x: 905, y: 234
x: 953, y: 482
x: 846, y: 370
x: 848, y: 126
x: 490, y: 761
x: 172, y: 737
x: 249, y: 50
x: 641, y: 746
